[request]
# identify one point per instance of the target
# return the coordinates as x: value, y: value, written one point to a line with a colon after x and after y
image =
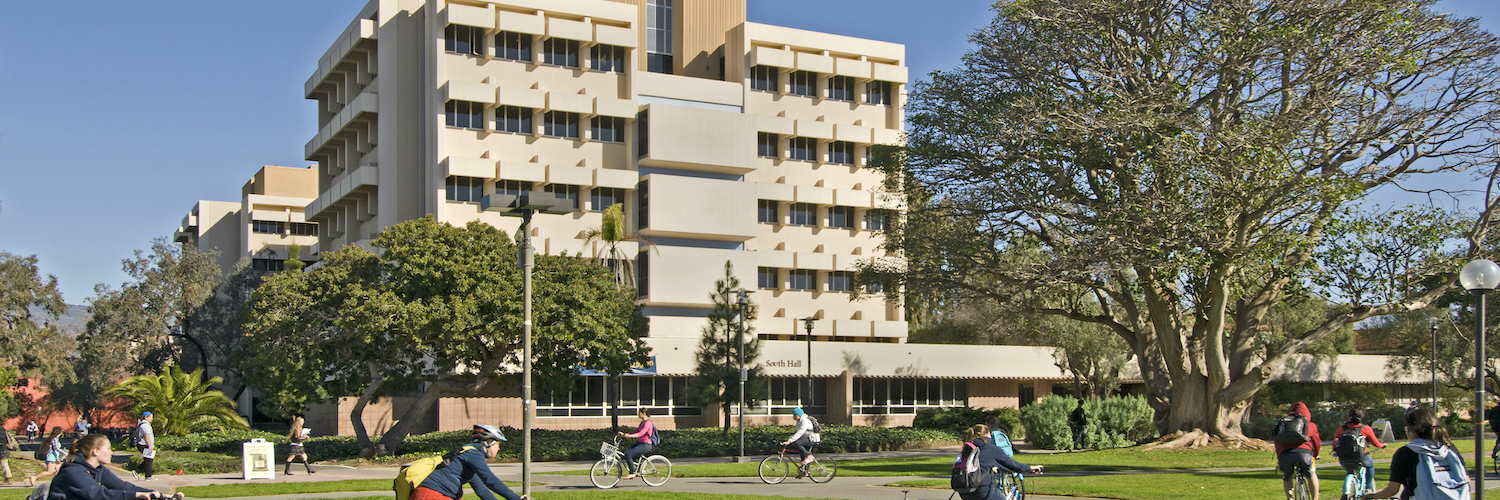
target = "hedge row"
x: 584, y: 444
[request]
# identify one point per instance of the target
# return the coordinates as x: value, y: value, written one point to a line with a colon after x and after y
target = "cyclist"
x: 447, y: 483
x: 1300, y: 458
x: 1428, y: 438
x: 1000, y: 436
x: 804, y: 438
x: 1356, y: 424
x: 993, y: 457
x: 642, y: 446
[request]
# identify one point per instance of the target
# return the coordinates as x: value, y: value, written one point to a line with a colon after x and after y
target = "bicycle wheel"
x: 1012, y: 487
x: 606, y: 473
x: 1352, y: 487
x: 822, y: 469
x: 1299, y: 489
x: 656, y: 470
x: 773, y: 469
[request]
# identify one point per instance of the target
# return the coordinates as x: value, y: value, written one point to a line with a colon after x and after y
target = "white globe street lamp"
x: 1479, y: 276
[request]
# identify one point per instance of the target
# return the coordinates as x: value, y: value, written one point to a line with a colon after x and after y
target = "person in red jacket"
x: 1356, y: 424
x: 1300, y: 457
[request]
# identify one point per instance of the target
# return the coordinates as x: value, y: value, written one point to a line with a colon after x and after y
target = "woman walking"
x: 84, y: 476
x: 295, y: 440
x: 55, y: 454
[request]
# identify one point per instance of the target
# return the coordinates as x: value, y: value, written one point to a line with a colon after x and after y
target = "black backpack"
x: 1350, y: 445
x: 968, y: 474
x: 1291, y: 430
x: 816, y: 427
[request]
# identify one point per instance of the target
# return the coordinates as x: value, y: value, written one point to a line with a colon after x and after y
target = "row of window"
x: 769, y: 278
x: 805, y: 83
x: 512, y: 46
x: 768, y: 145
x: 282, y: 227
x: 472, y: 189
x: 880, y: 396
x: 589, y: 397
x: 805, y: 214
x: 517, y: 120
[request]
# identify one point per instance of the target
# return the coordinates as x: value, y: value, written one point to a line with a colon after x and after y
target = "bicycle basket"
x: 608, y: 450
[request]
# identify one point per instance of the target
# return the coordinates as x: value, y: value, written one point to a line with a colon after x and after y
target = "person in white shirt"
x: 804, y: 438
x: 145, y: 440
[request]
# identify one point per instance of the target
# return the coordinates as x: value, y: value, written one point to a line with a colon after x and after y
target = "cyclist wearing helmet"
x: 447, y: 483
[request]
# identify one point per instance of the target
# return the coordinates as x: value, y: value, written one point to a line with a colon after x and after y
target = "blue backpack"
x: 1003, y: 441
x: 1440, y: 475
x: 655, y: 438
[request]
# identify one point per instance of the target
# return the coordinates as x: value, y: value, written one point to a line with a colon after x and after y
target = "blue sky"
x: 115, y: 119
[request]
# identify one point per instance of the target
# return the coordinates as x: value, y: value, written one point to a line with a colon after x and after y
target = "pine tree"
x: 716, y: 381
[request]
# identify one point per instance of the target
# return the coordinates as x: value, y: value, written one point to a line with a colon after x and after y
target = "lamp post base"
x: 741, y: 459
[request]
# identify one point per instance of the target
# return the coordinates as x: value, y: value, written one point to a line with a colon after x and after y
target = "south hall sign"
x: 785, y: 363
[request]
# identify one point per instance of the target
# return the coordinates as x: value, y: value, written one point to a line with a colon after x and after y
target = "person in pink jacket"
x: 642, y: 435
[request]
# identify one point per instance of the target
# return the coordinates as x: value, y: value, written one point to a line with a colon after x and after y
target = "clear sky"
x: 116, y: 117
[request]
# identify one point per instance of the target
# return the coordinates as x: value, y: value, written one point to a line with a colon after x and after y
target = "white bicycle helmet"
x: 487, y: 433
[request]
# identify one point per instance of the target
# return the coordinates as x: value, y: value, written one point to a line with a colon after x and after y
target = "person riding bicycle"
x: 1000, y: 436
x: 1292, y: 458
x: 642, y: 446
x: 1429, y: 439
x: 1356, y: 424
x: 804, y: 438
x: 992, y: 457
x: 447, y: 483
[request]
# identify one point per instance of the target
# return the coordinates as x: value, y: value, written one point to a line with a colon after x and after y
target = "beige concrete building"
x: 262, y: 225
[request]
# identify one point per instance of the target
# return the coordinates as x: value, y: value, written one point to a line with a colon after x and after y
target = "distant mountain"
x: 72, y: 321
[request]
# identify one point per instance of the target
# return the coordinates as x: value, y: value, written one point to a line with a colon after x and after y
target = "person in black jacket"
x: 1079, y: 421
x: 84, y: 477
x: 992, y: 457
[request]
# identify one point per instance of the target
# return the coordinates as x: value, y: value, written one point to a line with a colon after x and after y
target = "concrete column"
x: 841, y: 399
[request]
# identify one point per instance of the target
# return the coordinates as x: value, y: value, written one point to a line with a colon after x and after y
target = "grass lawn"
x: 253, y: 489
x: 622, y: 495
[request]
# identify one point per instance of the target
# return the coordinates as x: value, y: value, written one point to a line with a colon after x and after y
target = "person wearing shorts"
x: 1300, y: 458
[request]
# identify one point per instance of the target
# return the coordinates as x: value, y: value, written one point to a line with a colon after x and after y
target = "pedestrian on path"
x: 145, y: 441
x: 7, y: 446
x: 295, y: 439
x: 31, y: 430
x: 54, y: 456
x: 1079, y: 421
x: 84, y: 476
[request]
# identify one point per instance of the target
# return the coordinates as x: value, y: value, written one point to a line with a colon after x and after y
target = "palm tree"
x: 612, y: 232
x: 182, y: 402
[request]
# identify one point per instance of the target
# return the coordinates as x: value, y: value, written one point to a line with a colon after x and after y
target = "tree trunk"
x: 356, y: 414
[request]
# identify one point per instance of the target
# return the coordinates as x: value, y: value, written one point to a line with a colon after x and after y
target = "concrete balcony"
x: 360, y: 35
x: 685, y: 276
x: 348, y: 188
x: 700, y: 140
x: 362, y: 109
x: 697, y: 208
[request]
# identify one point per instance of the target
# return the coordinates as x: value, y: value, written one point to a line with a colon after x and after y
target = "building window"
x: 785, y: 394
x: 766, y: 78
x: 461, y: 39
x: 267, y: 226
x: 560, y: 52
x: 642, y: 274
x: 268, y: 265
x: 589, y: 397
x: 841, y: 281
x: 659, y: 36
x: 883, y: 396
x: 802, y: 279
x: 465, y: 114
x: 841, y: 88
x: 878, y: 93
x: 513, y: 46
x: 513, y: 188
x: 566, y: 191
x: 608, y: 58
x: 841, y: 217
x: 767, y: 145
x: 513, y: 119
x: 766, y: 277
x: 766, y: 212
x: 874, y: 220
x: 804, y: 148
x: 602, y: 198
x: 803, y: 214
x: 561, y: 124
x: 641, y: 127
x: 642, y: 204
x: 804, y: 83
x: 841, y: 152
x: 467, y: 189
x: 874, y: 287
x: 302, y: 228
x: 607, y: 128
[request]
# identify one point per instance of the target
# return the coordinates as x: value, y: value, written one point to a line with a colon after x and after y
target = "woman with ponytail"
x: 84, y: 476
x: 1428, y: 438
x: 295, y: 442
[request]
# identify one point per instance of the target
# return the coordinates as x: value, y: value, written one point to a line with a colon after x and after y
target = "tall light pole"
x: 1434, y: 365
x: 1479, y: 276
x: 808, y: 400
x: 523, y: 205
x: 744, y: 303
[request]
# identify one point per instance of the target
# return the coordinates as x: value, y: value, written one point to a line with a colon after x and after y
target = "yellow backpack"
x: 412, y: 474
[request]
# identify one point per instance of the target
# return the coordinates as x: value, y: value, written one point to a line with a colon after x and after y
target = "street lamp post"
x: 1479, y: 276
x: 808, y: 400
x: 524, y: 205
x: 744, y: 302
x: 1434, y: 365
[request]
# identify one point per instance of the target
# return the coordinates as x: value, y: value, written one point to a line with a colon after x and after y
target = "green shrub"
x: 1046, y: 422
x: 1118, y: 421
x: 958, y: 420
x: 190, y: 462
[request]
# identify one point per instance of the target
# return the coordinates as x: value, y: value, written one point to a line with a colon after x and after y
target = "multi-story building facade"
x: 262, y: 226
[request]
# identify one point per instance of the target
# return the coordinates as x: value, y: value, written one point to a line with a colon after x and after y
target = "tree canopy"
x: 716, y: 379
x: 439, y: 304
x: 1174, y: 171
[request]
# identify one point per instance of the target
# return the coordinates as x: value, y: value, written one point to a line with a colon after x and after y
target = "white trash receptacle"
x: 1383, y: 429
x: 260, y: 459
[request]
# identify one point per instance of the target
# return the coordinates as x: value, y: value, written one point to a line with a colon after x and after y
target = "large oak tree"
x: 1190, y: 166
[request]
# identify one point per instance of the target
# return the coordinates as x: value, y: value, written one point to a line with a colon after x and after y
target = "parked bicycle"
x: 773, y: 469
x: 606, y: 473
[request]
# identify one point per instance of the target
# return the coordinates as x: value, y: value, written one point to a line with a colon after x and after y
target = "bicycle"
x: 1012, y: 486
x: 606, y: 473
x: 1354, y: 483
x: 774, y: 468
x: 1300, y: 488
